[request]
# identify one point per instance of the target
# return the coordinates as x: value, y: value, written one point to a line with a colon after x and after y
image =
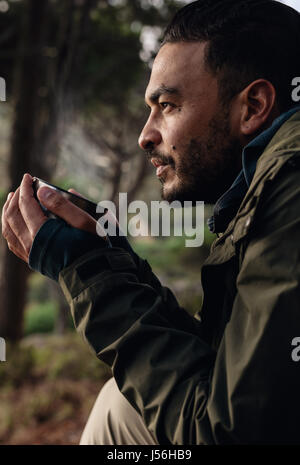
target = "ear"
x: 258, y: 105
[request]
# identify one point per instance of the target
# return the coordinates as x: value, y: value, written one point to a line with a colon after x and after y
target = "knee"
x: 113, y: 421
x: 110, y: 403
x: 110, y: 410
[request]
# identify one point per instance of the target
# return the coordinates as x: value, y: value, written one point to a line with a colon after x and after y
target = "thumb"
x: 76, y: 193
x: 62, y: 207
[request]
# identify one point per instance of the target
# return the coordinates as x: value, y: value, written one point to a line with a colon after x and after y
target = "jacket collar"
x: 228, y: 204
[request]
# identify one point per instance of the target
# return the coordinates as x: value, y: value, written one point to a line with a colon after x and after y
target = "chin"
x: 170, y: 192
x: 189, y: 195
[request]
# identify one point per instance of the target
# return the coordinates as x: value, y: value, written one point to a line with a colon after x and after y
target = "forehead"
x: 180, y: 66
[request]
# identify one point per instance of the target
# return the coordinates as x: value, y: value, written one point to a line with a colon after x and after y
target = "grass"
x: 48, y: 386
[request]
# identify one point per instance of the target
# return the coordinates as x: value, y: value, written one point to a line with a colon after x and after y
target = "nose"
x: 150, y: 136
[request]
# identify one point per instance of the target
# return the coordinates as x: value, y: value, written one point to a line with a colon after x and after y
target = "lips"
x: 161, y: 167
x: 156, y: 162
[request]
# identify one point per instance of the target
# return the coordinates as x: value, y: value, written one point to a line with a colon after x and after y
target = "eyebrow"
x: 162, y: 90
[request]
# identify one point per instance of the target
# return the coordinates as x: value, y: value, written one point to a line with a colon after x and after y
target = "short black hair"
x: 247, y: 40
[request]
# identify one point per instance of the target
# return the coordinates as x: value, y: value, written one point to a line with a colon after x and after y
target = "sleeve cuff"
x: 56, y: 245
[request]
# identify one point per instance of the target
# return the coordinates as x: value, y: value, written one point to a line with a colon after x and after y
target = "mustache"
x: 164, y: 159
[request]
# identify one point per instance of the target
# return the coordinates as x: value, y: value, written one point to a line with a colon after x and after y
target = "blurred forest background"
x: 76, y: 72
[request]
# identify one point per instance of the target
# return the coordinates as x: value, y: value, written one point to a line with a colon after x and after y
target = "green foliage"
x: 18, y: 367
x: 40, y: 318
x: 49, y: 357
x: 67, y: 357
x: 162, y: 254
x: 113, y: 50
x: 170, y: 255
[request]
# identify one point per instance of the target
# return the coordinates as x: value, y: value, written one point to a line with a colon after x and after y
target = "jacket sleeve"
x: 159, y: 361
x: 186, y: 393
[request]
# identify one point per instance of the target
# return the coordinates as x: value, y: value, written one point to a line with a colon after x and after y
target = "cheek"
x: 180, y: 129
x: 178, y: 157
x: 177, y: 139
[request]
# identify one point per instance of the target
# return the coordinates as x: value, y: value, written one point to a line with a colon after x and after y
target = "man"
x: 222, y: 123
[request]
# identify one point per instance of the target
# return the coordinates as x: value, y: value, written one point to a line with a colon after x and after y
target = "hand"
x: 22, y: 216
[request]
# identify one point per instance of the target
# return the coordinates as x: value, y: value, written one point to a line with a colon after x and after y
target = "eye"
x: 165, y: 105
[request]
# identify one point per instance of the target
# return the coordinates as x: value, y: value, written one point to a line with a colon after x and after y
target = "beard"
x: 204, y: 169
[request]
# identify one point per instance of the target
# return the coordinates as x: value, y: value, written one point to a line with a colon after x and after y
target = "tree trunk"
x: 14, y: 273
x: 13, y: 293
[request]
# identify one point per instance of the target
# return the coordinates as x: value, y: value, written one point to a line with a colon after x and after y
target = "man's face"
x: 188, y: 135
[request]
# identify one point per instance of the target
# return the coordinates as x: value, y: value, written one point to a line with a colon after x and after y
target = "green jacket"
x: 228, y: 377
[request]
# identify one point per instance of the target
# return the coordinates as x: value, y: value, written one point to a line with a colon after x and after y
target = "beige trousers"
x: 113, y: 421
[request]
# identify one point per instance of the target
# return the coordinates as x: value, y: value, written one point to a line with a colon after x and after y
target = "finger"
x: 4, y: 209
x: 66, y: 210
x: 110, y: 217
x: 5, y: 206
x: 76, y: 193
x: 9, y: 197
x: 13, y: 243
x: 29, y: 207
x: 17, y: 224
